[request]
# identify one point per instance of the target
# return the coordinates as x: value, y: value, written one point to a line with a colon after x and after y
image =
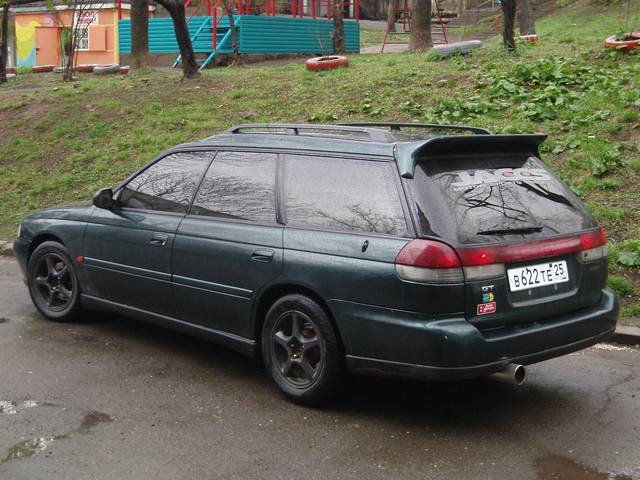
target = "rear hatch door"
x: 492, y: 195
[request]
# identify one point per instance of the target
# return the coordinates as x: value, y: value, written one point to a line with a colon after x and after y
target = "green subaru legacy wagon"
x: 414, y: 251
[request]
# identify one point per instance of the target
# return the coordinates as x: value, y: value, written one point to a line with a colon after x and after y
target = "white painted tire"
x: 457, y: 47
x: 106, y: 69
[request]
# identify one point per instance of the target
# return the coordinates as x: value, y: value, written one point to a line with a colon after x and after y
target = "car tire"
x: 301, y: 350
x: 53, y: 282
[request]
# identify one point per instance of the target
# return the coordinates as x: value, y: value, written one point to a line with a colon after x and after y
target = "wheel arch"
x: 270, y: 295
x: 40, y: 239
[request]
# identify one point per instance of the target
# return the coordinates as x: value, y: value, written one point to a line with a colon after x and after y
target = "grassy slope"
x: 61, y: 142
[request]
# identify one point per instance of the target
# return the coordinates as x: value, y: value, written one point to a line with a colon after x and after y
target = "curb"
x: 626, y: 335
x: 6, y: 249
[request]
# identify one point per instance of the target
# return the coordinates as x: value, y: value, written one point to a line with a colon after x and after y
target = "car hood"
x: 78, y: 211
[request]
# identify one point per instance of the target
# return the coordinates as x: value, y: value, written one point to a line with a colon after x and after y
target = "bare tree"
x: 81, y: 10
x: 188, y: 59
x: 508, y: 23
x: 139, y: 33
x: 338, y: 27
x: 420, y: 26
x: 4, y: 40
x: 526, y: 20
x: 235, y: 51
x: 392, y: 11
x: 4, y: 33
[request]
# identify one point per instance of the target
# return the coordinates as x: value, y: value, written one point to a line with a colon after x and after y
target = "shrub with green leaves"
x: 629, y: 254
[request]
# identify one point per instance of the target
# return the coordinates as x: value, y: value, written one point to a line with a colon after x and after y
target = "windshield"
x: 493, y: 198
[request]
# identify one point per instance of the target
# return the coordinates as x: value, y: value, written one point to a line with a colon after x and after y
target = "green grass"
x: 61, y: 142
x: 371, y: 36
x: 620, y: 285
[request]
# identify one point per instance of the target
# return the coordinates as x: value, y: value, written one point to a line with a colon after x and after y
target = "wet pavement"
x: 110, y: 398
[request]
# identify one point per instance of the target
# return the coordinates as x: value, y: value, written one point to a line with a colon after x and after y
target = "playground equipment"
x: 405, y: 21
x: 268, y: 27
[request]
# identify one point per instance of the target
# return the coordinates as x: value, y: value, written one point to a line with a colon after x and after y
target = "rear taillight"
x: 429, y: 261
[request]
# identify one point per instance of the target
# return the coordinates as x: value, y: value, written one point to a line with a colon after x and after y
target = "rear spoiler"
x: 407, y: 154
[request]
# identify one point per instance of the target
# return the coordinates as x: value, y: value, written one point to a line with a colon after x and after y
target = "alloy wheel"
x: 53, y: 283
x: 297, y: 348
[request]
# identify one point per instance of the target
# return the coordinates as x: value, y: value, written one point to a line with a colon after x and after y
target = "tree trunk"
x: 526, y: 20
x: 392, y: 12
x: 420, y: 26
x: 176, y: 10
x: 338, y: 27
x: 4, y: 43
x: 139, y: 33
x: 235, y: 51
x: 72, y: 47
x: 508, y: 23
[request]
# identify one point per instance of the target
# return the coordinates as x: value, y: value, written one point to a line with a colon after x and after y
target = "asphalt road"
x: 110, y: 398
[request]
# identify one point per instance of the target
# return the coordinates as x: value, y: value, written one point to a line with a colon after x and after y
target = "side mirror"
x: 103, y: 198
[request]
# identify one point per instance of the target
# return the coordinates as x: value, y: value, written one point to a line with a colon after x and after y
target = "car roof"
x: 405, y: 143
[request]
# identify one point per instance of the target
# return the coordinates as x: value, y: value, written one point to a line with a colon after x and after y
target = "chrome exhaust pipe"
x: 513, y: 374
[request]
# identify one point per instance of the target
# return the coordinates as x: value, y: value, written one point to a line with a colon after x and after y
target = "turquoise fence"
x: 256, y: 34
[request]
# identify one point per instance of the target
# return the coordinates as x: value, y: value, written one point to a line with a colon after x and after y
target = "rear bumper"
x: 384, y: 342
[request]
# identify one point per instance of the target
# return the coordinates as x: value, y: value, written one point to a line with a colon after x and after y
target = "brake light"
x: 429, y: 261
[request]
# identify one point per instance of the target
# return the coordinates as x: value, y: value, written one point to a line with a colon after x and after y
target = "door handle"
x: 262, y: 255
x: 158, y: 240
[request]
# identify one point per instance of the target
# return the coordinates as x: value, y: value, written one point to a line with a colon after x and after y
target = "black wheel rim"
x: 297, y: 350
x: 52, y: 283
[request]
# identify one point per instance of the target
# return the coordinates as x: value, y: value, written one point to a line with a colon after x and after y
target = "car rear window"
x: 475, y: 199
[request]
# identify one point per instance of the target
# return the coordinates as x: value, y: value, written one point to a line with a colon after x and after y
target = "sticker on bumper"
x: 486, y: 308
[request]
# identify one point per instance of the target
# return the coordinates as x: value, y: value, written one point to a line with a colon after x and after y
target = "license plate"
x: 534, y: 276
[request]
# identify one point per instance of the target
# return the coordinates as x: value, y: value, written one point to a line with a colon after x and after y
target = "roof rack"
x: 346, y: 132
x: 397, y: 127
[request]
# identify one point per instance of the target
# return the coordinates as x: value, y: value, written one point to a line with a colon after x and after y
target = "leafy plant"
x: 608, y: 158
x: 570, y: 142
x: 629, y: 254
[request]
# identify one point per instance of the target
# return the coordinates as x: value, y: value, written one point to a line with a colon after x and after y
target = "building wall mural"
x: 26, y: 41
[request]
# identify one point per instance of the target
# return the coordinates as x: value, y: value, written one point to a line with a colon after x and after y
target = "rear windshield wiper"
x: 511, y: 231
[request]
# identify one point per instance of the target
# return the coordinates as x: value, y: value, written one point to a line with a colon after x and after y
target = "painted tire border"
x: 530, y: 38
x: 624, y: 45
x: 86, y: 68
x: 327, y: 62
x: 42, y: 68
x: 106, y: 69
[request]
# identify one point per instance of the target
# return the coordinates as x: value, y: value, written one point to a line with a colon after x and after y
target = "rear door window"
x: 343, y: 194
x: 239, y: 186
x: 483, y: 199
